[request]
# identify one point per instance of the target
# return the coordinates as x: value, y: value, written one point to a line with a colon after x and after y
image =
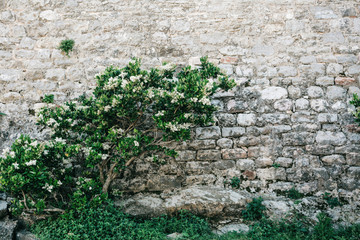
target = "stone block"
x: 345, y: 81
x: 320, y: 12
x: 327, y: 118
x: 198, y: 168
x: 302, y: 104
x: 245, y: 164
x: 186, y: 155
x: 274, y: 93
x: 287, y: 71
x: 223, y: 164
x: 334, y: 69
x: 333, y: 37
x: 234, y: 106
x: 354, y: 70
x: 202, y: 144
x: 333, y: 159
x: 246, y: 119
x: 263, y: 50
x: 161, y: 183
x: 284, y: 162
x: 315, y: 92
x: 297, y: 138
x: 210, y: 155
x: 226, y: 119
x: 325, y: 81
x: 233, y: 131
x: 276, y: 118
x: 354, y: 172
x: 266, y: 173
x: 335, y: 92
x: 236, y: 153
x: 333, y: 138
x: 319, y: 105
x: 353, y: 159
x: 263, y: 162
x: 208, y: 132
x: 225, y: 143
x: 283, y: 105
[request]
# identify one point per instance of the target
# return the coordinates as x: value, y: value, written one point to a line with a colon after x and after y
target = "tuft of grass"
x: 294, y: 194
x: 254, y: 210
x: 67, y: 46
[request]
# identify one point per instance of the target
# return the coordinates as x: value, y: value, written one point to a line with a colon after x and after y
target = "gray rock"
x: 208, y: 201
x: 323, y: 12
x: 25, y: 235
x: 302, y: 104
x: 233, y: 228
x: 325, y: 81
x: 174, y: 235
x: 283, y: 105
x: 274, y: 93
x: 225, y: 143
x: 233, y: 131
x: 140, y: 205
x: 208, y: 132
x: 333, y: 138
x: 246, y: 119
x: 335, y: 92
x: 7, y: 229
x: 3, y: 209
x: 319, y: 105
x: 336, y: 37
x: 287, y: 71
x: 315, y: 92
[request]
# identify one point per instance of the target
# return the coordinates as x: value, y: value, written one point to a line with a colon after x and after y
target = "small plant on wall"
x: 67, y: 46
x: 356, y: 103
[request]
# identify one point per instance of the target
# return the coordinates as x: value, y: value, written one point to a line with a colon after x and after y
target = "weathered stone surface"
x: 327, y: 118
x: 233, y: 228
x: 333, y: 159
x: 186, y: 155
x: 207, y: 201
x: 273, y: 93
x: 325, y: 81
x: 345, y: 81
x: 236, y: 106
x: 233, y: 132
x: 284, y: 162
x: 7, y: 229
x: 263, y: 162
x: 283, y: 105
x: 208, y: 132
x: 246, y: 119
x: 245, y: 164
x: 235, y: 154
x: 3, y: 209
x: 226, y: 119
x: 332, y: 138
x: 298, y: 139
x: 142, y: 206
x: 334, y: 92
x: 266, y: 173
x: 225, y: 143
x: 353, y: 159
x: 209, y: 155
x: 202, y: 144
x: 25, y: 235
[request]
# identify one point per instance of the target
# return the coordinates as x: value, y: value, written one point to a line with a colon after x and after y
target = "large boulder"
x: 7, y: 229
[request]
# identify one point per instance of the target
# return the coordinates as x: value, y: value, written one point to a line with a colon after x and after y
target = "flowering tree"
x: 132, y: 114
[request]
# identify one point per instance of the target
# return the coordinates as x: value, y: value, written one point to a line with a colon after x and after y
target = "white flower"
x: 48, y: 187
x: 34, y: 144
x: 12, y: 154
x: 123, y: 74
x: 161, y: 113
x: 205, y: 101
x: 107, y: 108
x: 59, y: 183
x: 167, y: 67
x: 106, y: 146
x: 16, y: 165
x: 136, y: 143
x: 6, y: 151
x: 30, y: 163
x: 60, y: 140
x: 135, y: 78
x: 104, y: 156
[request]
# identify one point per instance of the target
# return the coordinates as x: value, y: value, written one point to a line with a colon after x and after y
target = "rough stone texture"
x: 7, y: 229
x: 3, y: 209
x: 296, y: 66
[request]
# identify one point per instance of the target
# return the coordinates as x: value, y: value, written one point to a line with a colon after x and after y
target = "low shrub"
x: 254, y: 210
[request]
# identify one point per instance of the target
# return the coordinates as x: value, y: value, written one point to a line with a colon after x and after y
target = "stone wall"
x: 287, y: 124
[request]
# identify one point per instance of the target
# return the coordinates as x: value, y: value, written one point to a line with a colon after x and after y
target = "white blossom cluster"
x: 204, y: 100
x: 177, y: 127
x: 48, y: 187
x: 111, y: 84
x: 52, y: 122
x: 167, y: 67
x: 31, y: 163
